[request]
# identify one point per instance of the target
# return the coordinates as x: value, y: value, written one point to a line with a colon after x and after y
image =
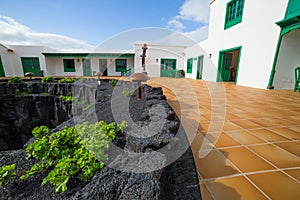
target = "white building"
x: 161, y: 60
x: 17, y: 60
x: 248, y: 41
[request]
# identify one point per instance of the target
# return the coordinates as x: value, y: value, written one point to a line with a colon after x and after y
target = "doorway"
x: 2, y: 73
x: 200, y: 67
x: 86, y: 67
x: 167, y: 66
x: 31, y: 64
x: 103, y: 66
x: 228, y: 65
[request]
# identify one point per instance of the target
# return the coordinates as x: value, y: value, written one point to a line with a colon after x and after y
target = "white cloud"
x: 184, y: 39
x: 198, y: 35
x: 196, y: 11
x: 14, y: 33
x: 176, y: 24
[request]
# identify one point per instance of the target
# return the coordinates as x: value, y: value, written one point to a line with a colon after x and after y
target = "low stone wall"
x: 159, y: 166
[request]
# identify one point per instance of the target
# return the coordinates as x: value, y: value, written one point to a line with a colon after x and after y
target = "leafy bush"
x: 15, y: 79
x: 47, y: 79
x: 66, y: 98
x: 7, y: 173
x: 66, y: 80
x: 71, y: 152
x: 113, y: 82
x: 127, y: 92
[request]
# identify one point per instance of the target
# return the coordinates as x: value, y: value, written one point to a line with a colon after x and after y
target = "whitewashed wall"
x: 288, y: 60
x: 257, y: 34
x: 111, y: 62
x: 56, y: 66
x: 154, y: 54
x: 12, y: 60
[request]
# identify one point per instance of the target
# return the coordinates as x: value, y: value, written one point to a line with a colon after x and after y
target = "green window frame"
x: 121, y: 65
x: 69, y: 65
x: 189, y: 68
x: 234, y: 13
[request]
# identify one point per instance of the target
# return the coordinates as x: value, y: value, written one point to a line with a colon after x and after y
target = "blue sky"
x: 88, y: 23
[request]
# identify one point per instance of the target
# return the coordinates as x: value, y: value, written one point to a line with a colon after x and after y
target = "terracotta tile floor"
x: 245, y: 141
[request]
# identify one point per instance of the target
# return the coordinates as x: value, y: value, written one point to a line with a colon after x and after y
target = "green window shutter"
x: 189, y: 69
x: 69, y: 65
x: 234, y: 13
x: 121, y: 65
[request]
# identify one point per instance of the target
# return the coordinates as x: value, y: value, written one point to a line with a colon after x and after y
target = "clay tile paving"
x: 245, y: 141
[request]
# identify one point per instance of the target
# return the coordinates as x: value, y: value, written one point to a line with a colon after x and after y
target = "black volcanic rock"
x: 150, y: 160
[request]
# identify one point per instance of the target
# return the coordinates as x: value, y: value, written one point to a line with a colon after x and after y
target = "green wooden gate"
x: 167, y: 66
x: 31, y: 64
x: 86, y: 67
x: 2, y: 73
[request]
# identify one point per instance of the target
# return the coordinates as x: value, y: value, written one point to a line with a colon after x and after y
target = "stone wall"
x: 160, y: 166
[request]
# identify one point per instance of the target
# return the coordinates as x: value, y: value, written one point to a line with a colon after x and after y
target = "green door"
x: 2, y: 73
x: 103, y: 66
x: 226, y: 62
x: 86, y: 67
x: 31, y: 64
x: 167, y: 67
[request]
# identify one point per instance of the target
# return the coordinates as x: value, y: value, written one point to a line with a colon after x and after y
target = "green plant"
x: 47, y: 79
x: 66, y: 80
x: 7, y: 173
x: 14, y: 79
x: 87, y: 107
x: 113, y: 82
x: 17, y: 92
x: 66, y: 98
x: 71, y: 152
x: 127, y: 92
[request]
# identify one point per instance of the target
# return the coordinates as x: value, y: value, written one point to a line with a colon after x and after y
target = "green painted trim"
x: 87, y: 55
x: 219, y: 79
x: 189, y: 65
x: 162, y: 71
x: 273, y: 71
x: 2, y: 72
x: 119, y: 68
x: 69, y: 69
x: 34, y: 64
x: 197, y: 75
x: 238, y: 65
x: 293, y: 9
x: 235, y: 20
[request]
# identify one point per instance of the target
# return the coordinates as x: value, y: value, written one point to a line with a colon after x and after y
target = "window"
x: 121, y: 65
x: 69, y: 65
x: 234, y: 13
x: 189, y: 65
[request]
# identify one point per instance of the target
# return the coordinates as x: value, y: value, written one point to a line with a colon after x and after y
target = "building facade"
x: 252, y: 43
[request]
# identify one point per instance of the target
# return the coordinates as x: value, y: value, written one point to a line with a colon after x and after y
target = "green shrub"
x: 71, y: 152
x: 127, y: 92
x: 7, y: 173
x: 47, y: 79
x: 66, y: 98
x: 66, y: 80
x: 15, y: 79
x: 113, y: 82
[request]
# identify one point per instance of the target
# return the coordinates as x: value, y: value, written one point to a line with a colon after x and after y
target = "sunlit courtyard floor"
x: 245, y: 141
